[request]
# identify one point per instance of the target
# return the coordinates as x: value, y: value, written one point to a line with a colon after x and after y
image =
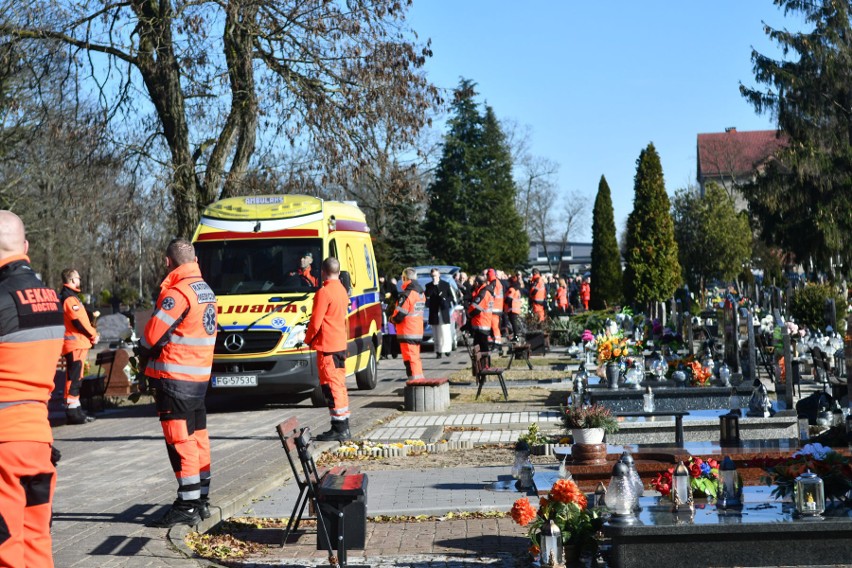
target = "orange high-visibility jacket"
x: 538, y: 294
x: 408, y: 315
x: 181, y: 333
x: 31, y: 334
x: 562, y: 297
x: 480, y: 309
x: 79, y: 332
x: 327, y: 331
x: 514, y: 300
x: 497, y: 292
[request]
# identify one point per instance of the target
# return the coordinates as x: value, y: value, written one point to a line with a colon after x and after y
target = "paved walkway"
x: 414, y: 492
x: 114, y: 473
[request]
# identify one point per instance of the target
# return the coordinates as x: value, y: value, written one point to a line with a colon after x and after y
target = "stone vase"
x: 588, y: 435
x: 612, y: 374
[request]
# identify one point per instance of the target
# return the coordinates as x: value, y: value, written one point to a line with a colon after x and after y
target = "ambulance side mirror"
x: 346, y: 280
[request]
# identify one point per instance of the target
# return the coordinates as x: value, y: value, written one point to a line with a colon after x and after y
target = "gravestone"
x: 730, y: 330
x: 788, y: 360
x: 847, y: 351
x: 830, y: 314
x: 752, y: 359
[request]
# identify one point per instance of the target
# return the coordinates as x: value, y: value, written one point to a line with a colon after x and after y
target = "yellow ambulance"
x: 262, y: 256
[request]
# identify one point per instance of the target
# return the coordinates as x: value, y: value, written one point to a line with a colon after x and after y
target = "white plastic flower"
x: 817, y: 451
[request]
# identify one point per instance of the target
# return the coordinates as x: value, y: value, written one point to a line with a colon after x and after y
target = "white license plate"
x: 235, y: 381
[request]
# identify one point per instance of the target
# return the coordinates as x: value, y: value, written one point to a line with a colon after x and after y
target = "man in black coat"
x: 439, y: 301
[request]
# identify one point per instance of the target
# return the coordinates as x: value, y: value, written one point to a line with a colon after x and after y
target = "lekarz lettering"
x: 39, y: 299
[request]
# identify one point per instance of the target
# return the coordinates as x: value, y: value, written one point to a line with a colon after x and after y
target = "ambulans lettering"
x: 256, y: 309
x: 203, y: 292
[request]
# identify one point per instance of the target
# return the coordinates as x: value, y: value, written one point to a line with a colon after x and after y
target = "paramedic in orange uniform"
x: 326, y: 334
x: 178, y: 344
x: 408, y: 318
x: 304, y: 271
x: 31, y: 331
x: 80, y: 336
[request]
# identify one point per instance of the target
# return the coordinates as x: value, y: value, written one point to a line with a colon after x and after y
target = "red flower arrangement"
x: 700, y: 376
x: 565, y: 505
x: 523, y: 512
x: 703, y: 477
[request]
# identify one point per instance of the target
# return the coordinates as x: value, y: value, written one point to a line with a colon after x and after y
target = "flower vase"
x: 612, y: 374
x: 588, y: 435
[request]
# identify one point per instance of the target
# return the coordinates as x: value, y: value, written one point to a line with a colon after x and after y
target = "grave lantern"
x: 634, y: 377
x: 810, y: 495
x: 638, y: 486
x: 648, y: 400
x: 681, y: 490
x: 734, y: 401
x: 620, y: 496
x: 679, y: 377
x: 725, y: 375
x: 729, y: 429
x: 550, y: 542
x: 525, y: 481
x: 658, y: 366
x: 600, y: 495
x: 522, y: 454
x: 730, y: 490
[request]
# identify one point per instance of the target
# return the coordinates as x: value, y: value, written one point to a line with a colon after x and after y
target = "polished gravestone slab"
x: 702, y: 426
x: 667, y: 397
x: 764, y: 532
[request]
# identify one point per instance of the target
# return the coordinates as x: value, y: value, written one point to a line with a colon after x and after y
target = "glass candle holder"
x: 810, y: 495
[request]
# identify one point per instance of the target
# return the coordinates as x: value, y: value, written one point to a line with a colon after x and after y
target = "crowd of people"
x: 493, y: 302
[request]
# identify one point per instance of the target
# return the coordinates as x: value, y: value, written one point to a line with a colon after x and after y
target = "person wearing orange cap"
x: 31, y: 332
x: 327, y: 335
x: 80, y: 336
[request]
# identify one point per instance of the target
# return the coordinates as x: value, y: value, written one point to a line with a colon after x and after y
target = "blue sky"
x: 597, y: 81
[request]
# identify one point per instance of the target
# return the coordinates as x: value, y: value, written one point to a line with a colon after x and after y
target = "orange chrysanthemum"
x: 566, y: 491
x: 523, y: 512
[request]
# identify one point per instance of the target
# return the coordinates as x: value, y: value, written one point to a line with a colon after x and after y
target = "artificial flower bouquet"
x: 701, y: 377
x: 566, y: 506
x: 834, y: 469
x: 612, y: 348
x: 703, y: 478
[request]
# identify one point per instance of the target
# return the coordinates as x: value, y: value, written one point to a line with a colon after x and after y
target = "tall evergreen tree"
x: 501, y: 228
x: 652, y: 271
x: 802, y: 200
x: 606, y: 259
x: 471, y: 219
x: 713, y: 240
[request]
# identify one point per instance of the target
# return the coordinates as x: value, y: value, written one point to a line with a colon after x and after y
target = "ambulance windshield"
x: 258, y: 266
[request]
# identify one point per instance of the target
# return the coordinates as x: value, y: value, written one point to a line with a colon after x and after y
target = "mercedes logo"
x: 234, y: 342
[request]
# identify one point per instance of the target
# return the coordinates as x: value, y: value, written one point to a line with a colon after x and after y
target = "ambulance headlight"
x: 297, y: 335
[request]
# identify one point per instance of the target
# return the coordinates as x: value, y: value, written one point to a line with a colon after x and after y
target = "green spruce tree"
x: 472, y: 220
x: 500, y: 227
x: 606, y: 259
x: 802, y: 199
x: 652, y: 271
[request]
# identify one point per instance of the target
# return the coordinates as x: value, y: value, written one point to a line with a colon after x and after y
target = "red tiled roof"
x: 736, y: 154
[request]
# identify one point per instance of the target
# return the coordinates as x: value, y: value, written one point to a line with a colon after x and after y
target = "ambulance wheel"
x: 318, y: 398
x: 366, y: 379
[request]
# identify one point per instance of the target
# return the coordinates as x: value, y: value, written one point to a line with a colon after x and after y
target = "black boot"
x: 77, y: 416
x: 339, y: 432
